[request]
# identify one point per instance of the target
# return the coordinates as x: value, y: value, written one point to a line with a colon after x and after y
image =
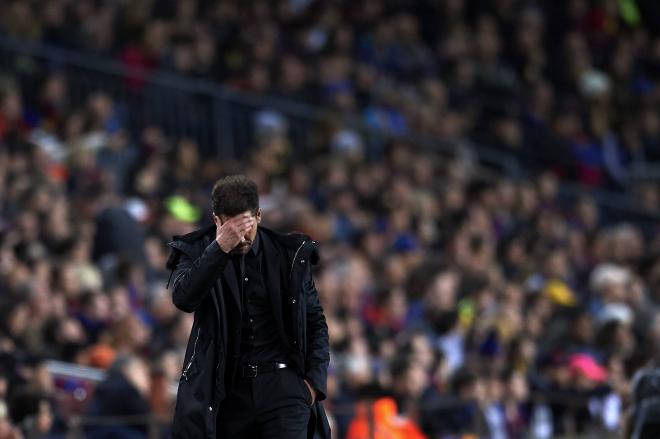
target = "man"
x: 257, y: 356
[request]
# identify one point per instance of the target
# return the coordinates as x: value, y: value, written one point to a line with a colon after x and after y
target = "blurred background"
x: 482, y: 177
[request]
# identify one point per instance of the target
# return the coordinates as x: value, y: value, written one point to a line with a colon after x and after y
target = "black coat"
x: 197, y: 264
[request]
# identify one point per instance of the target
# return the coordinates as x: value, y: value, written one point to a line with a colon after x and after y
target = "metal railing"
x: 81, y: 427
x: 221, y: 119
x: 91, y: 374
x: 218, y: 117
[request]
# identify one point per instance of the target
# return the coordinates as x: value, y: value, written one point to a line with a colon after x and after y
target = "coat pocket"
x: 305, y: 390
x: 185, y: 374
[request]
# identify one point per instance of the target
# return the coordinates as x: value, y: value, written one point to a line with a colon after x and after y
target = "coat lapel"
x: 272, y: 274
x: 274, y: 269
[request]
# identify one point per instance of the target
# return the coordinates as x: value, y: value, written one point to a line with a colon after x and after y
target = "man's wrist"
x: 220, y: 247
x: 312, y: 388
x: 214, y: 250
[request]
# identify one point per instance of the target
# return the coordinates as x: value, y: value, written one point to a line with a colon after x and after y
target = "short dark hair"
x: 234, y: 194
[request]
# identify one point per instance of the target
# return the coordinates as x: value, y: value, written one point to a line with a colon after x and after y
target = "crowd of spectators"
x: 570, y: 86
x: 475, y: 303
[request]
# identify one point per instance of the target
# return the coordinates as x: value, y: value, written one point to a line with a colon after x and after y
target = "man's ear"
x: 259, y: 215
x: 216, y: 220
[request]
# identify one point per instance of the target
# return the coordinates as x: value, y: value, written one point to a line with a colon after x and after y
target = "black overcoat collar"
x: 273, y: 267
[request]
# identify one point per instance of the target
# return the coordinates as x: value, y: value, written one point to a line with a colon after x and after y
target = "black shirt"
x: 259, y: 340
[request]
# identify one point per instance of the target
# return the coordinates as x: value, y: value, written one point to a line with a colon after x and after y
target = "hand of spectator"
x: 229, y: 234
x: 137, y: 373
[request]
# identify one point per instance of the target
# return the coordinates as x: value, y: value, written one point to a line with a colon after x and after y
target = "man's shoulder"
x: 195, y: 235
x: 288, y: 240
x: 190, y: 243
x: 294, y: 242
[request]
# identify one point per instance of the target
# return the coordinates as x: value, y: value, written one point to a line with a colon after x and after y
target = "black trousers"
x: 273, y: 405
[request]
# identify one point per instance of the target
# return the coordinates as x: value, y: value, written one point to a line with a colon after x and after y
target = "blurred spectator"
x: 385, y: 424
x: 124, y: 393
x: 33, y: 412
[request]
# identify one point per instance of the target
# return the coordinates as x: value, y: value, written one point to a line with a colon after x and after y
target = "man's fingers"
x: 242, y: 228
x: 242, y: 221
x: 241, y: 217
x: 240, y: 224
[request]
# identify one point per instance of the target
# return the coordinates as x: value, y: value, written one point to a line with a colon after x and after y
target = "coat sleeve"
x: 194, y: 278
x: 317, y: 355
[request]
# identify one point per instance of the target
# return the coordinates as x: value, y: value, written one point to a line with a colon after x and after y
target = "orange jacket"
x: 387, y: 424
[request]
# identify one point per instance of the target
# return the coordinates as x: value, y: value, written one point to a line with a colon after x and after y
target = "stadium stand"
x: 482, y: 177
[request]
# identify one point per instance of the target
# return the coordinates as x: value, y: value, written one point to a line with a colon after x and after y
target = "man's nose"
x: 247, y: 234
